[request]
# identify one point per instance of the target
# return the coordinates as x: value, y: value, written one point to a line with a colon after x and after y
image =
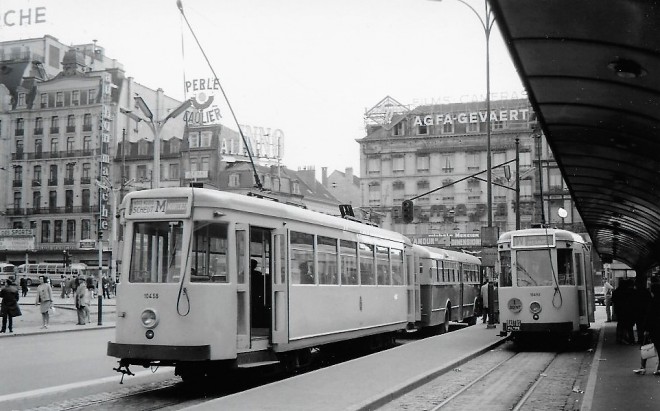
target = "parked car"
x: 599, y: 295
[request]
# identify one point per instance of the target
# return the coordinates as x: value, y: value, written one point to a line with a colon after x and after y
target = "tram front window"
x: 534, y: 268
x: 156, y: 252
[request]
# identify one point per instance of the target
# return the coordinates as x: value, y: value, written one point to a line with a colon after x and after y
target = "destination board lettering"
x: 158, y: 206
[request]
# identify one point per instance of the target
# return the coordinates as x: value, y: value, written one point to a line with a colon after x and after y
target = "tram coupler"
x: 123, y: 369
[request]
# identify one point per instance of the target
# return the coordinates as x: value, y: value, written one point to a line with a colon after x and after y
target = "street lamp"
x: 155, y: 125
x: 487, y: 20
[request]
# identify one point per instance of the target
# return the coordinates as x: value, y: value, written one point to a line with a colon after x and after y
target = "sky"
x: 309, y: 68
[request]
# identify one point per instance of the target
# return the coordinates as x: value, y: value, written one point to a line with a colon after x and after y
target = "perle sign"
x: 520, y: 114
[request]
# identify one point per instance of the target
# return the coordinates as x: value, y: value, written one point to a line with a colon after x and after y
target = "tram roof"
x: 591, y: 69
x: 226, y: 200
x: 562, y: 235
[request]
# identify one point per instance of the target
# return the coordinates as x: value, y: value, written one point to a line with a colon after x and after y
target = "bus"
x: 56, y: 272
x: 7, y: 272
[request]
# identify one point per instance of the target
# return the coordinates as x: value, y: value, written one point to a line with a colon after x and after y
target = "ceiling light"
x: 625, y: 68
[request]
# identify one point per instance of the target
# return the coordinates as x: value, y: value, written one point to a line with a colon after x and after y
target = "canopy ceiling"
x: 592, y: 71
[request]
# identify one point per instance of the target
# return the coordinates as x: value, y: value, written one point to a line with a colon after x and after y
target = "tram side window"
x: 302, y: 258
x: 383, y: 265
x: 566, y: 273
x: 505, y: 269
x: 209, y: 253
x: 534, y: 268
x: 396, y: 257
x: 367, y: 276
x: 327, y: 260
x: 156, y: 253
x: 348, y: 250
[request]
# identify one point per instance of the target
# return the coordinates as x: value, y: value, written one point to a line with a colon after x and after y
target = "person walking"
x: 484, y: 296
x: 652, y: 327
x: 607, y: 288
x: 641, y: 301
x: 45, y: 299
x: 623, y: 301
x: 9, y: 307
x: 24, y: 285
x: 105, y: 283
x: 81, y: 295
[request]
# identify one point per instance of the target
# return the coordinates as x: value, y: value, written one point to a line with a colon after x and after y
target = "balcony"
x: 52, y: 182
x: 70, y: 129
x: 38, y: 131
x: 85, y: 180
x: 87, y: 127
x: 20, y: 132
x: 54, y: 130
x: 36, y: 183
x: 15, y: 211
x: 17, y: 156
x: 68, y: 181
x: 17, y: 183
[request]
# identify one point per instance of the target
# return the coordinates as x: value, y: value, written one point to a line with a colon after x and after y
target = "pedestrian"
x: 652, y: 326
x: 45, y: 299
x: 607, y: 288
x: 9, y: 307
x: 81, y: 295
x: 105, y: 284
x: 484, y: 296
x: 113, y: 286
x: 623, y: 301
x: 24, y: 285
x: 90, y: 285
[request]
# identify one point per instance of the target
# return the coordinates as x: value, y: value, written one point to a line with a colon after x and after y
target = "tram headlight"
x: 535, y: 307
x: 149, y: 318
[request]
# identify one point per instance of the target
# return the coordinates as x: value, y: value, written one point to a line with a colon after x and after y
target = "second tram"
x: 546, y: 282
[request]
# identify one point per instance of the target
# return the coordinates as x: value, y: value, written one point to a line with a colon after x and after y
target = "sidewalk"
x: 612, y: 385
x: 63, y: 319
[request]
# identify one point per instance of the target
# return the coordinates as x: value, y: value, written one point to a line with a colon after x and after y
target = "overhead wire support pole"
x: 231, y: 110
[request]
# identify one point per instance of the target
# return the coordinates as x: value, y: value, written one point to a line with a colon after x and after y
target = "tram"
x: 448, y: 284
x: 545, y: 283
x: 214, y: 280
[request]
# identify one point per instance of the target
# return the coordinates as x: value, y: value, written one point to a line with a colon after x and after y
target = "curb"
x: 418, y: 381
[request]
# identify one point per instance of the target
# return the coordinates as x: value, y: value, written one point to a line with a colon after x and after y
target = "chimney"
x: 324, y: 176
x: 349, y: 175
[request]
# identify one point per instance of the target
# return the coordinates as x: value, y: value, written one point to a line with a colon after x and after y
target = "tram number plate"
x: 513, y: 325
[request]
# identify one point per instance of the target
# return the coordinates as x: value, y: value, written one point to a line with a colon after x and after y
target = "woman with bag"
x: 651, y: 329
x: 45, y: 298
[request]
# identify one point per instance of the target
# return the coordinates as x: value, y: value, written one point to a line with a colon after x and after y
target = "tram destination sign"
x: 169, y: 206
x: 537, y: 240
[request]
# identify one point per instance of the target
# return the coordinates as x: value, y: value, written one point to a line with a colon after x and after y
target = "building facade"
x: 436, y: 155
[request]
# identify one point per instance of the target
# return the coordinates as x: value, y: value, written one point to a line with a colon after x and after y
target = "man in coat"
x: 9, y: 307
x: 82, y: 301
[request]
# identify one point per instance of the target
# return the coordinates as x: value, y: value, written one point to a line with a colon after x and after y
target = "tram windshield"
x: 156, y: 252
x: 534, y: 268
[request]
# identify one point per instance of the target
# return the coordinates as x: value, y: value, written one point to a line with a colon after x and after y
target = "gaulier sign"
x: 202, y: 92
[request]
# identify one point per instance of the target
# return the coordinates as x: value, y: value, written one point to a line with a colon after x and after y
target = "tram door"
x: 582, y: 289
x: 260, y: 282
x: 279, y: 297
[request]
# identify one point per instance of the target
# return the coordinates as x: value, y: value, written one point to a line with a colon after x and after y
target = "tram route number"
x: 151, y: 295
x: 513, y: 325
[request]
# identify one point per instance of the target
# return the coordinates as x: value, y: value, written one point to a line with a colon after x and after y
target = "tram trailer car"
x: 546, y: 282
x: 448, y: 286
x: 188, y: 298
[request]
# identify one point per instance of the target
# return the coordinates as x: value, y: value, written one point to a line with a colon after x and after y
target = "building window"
x: 68, y: 201
x: 206, y: 138
x: 447, y: 165
x: 499, y: 158
x: 38, y: 125
x: 91, y: 96
x: 555, y: 181
x: 472, y: 127
x: 54, y: 125
x: 497, y: 125
x: 234, y: 180
x: 36, y: 179
x: 21, y: 100
x: 398, y: 164
x: 44, y: 100
x: 423, y: 162
x: 59, y: 99
x: 20, y: 127
x: 86, y: 229
x: 70, y: 123
x: 87, y: 122
x: 473, y: 161
x: 70, y: 145
x: 422, y: 129
x: 52, y: 176
x: 143, y: 148
x: 38, y: 148
x: 52, y: 200
x: 204, y: 164
x: 193, y: 139
x: 423, y: 185
x: 525, y: 159
x: 18, y: 173
x: 175, y: 145
x: 45, y: 231
x: 70, y: 231
x: 36, y: 202
x: 398, y: 129
x: 141, y: 172
x: 75, y: 98
x: 85, y: 199
x: 174, y: 171
x: 398, y: 190
x: 448, y: 128
x: 87, y: 145
x: 19, y: 149
x: 296, y: 187
x: 373, y: 165
x: 58, y: 231
x: 193, y: 164
x: 86, y: 169
x: 54, y: 146
x: 69, y: 170
x: 374, y: 193
x: 18, y: 198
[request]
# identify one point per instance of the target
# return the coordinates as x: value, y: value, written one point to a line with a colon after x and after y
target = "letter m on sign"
x: 160, y: 206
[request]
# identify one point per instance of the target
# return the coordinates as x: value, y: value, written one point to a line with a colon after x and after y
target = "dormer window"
x: 398, y: 129
x: 21, y: 100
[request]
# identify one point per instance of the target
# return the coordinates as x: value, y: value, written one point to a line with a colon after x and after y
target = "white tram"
x: 546, y: 282
x: 448, y: 286
x: 188, y: 298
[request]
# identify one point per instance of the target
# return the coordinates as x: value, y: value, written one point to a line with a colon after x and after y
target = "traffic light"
x: 408, y: 209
